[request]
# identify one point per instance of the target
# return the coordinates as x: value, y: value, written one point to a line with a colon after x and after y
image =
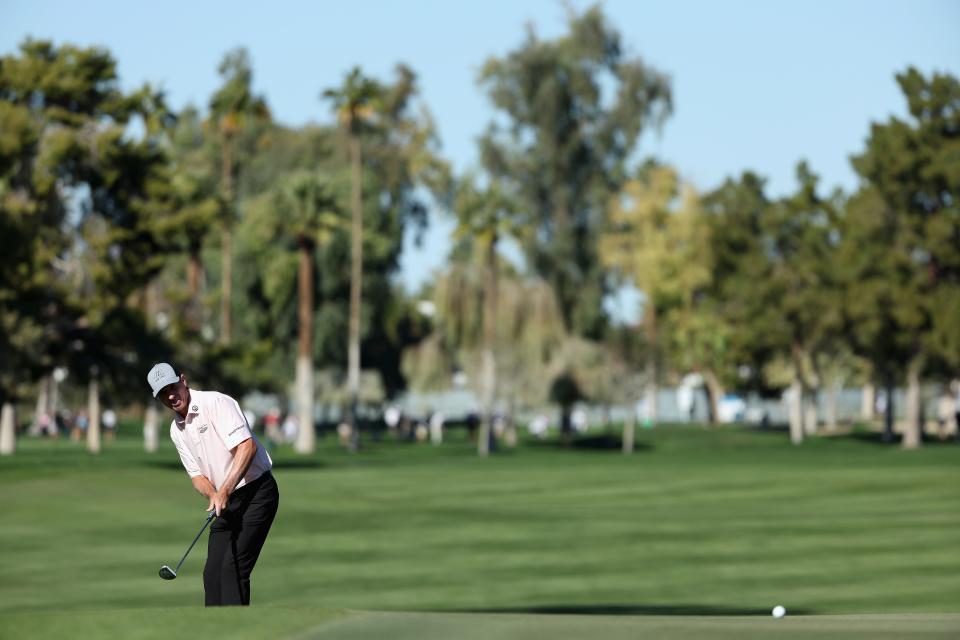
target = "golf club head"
x: 167, y: 573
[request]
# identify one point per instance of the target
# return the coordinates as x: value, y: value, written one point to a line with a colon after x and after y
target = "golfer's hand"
x: 218, y: 502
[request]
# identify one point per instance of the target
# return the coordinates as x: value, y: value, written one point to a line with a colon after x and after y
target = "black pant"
x: 236, y: 537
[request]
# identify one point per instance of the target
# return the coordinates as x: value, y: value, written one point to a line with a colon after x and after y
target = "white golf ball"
x: 779, y: 611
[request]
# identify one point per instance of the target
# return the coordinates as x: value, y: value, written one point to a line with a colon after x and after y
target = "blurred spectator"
x: 60, y: 423
x: 880, y: 405
x: 46, y: 426
x: 109, y: 422
x: 578, y: 419
x: 499, y: 424
x: 271, y: 426
x: 290, y: 428
x: 343, y: 433
x: 473, y: 421
x: 422, y: 432
x: 539, y: 426
x: 82, y: 422
x: 391, y: 416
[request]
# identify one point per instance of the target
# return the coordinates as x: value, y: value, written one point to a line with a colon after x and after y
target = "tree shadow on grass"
x: 877, y: 437
x: 599, y: 442
x: 637, y: 610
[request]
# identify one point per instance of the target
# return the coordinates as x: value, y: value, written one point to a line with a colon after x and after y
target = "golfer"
x: 230, y: 468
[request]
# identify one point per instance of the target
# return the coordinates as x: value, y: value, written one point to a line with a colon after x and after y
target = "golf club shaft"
x: 197, y: 537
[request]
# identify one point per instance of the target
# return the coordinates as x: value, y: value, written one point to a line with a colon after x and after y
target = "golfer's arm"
x: 242, y: 457
x: 203, y: 486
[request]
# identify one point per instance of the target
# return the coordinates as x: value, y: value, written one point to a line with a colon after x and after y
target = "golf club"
x: 169, y: 574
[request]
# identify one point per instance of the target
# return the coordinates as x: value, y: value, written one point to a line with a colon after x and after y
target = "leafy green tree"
x: 656, y: 241
x: 574, y: 109
x: 901, y: 242
x: 801, y: 236
x: 739, y: 323
x: 355, y: 103
x: 234, y: 107
x: 200, y: 206
x: 103, y: 194
x: 31, y: 226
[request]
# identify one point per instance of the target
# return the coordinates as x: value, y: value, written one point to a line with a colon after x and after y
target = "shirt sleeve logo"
x: 235, y: 430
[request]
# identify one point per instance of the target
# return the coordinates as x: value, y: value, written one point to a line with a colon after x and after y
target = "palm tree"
x: 355, y: 104
x: 485, y: 217
x: 304, y: 207
x: 232, y: 107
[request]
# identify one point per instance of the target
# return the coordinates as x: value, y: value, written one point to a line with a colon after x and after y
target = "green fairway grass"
x: 698, y: 527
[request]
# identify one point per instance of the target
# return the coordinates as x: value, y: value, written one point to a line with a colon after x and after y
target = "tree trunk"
x: 93, y: 409
x: 628, y: 433
x: 810, y: 416
x: 868, y: 400
x: 356, y: 289
x: 226, y: 326
x: 795, y: 410
x: 715, y: 392
x: 890, y: 411
x: 8, y: 430
x: 489, y: 342
x: 833, y: 391
x: 912, y: 423
x: 566, y: 427
x: 151, y: 429
x: 194, y: 278
x: 306, y: 437
x: 42, y: 406
x: 226, y: 284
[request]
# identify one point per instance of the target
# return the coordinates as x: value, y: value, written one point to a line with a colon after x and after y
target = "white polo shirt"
x: 213, y: 427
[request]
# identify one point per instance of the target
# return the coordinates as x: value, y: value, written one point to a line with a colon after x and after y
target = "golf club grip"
x: 197, y: 537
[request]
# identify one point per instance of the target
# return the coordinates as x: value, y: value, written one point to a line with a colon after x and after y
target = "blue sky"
x: 757, y: 84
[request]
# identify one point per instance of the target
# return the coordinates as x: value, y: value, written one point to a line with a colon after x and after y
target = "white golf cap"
x: 160, y: 376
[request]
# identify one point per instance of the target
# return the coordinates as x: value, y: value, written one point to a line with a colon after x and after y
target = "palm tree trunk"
x: 795, y: 410
x: 93, y: 409
x: 489, y: 356
x: 628, y: 433
x: 810, y: 413
x: 227, y: 256
x: 194, y: 278
x: 913, y: 422
x: 151, y: 429
x: 226, y: 327
x: 8, y: 434
x: 306, y: 437
x: 356, y: 289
